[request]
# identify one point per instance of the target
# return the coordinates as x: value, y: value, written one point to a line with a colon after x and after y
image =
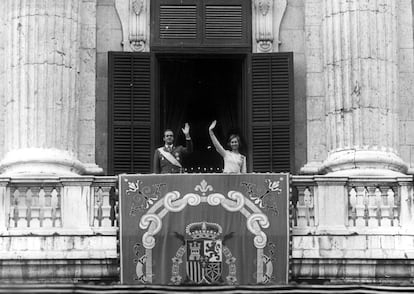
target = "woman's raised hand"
x: 213, y: 124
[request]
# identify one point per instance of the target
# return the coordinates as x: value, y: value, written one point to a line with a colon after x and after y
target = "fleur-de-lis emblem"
x: 133, y: 187
x: 203, y: 187
x: 273, y: 185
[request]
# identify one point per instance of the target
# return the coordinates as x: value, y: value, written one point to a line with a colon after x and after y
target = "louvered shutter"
x: 130, y: 112
x: 272, y: 112
x: 226, y: 22
x: 201, y: 23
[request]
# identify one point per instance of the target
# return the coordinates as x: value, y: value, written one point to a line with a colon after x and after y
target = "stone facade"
x: 353, y: 80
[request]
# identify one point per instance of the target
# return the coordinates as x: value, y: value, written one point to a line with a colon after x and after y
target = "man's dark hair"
x: 168, y: 130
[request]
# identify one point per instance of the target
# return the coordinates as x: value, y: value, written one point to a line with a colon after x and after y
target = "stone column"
x: 42, y: 87
x: 360, y: 52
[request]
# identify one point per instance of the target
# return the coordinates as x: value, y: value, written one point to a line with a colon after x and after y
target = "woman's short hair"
x: 234, y: 136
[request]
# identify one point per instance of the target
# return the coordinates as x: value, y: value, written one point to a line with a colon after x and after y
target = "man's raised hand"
x: 186, y: 130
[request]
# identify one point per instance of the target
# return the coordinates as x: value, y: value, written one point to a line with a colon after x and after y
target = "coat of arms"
x: 204, y: 253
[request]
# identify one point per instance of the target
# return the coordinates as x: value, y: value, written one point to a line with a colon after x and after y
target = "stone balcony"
x: 58, y: 229
x: 353, y: 229
x: 344, y: 229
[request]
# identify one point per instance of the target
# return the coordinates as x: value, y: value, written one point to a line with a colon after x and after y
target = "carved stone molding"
x: 135, y: 21
x: 267, y: 16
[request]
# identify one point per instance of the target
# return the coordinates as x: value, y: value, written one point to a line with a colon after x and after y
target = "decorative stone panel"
x: 266, y: 17
x: 135, y: 20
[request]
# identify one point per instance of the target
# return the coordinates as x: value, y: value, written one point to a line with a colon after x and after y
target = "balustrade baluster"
x: 43, y: 212
x: 55, y: 201
x: 352, y: 207
x: 98, y: 207
x: 360, y: 208
x: 373, y: 218
x: 47, y: 208
x: 304, y: 207
x: 385, y: 219
x: 301, y: 208
x: 37, y: 218
x: 22, y: 208
x: 14, y: 195
x: 32, y: 199
x: 394, y: 214
x: 308, y: 200
x: 106, y: 207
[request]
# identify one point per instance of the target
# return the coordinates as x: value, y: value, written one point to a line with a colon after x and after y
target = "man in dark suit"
x: 167, y: 159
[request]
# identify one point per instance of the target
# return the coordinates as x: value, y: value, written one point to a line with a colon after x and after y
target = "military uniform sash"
x: 169, y: 157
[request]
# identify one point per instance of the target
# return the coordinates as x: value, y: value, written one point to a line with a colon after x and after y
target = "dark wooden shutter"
x: 272, y: 112
x: 200, y: 23
x: 225, y: 20
x: 178, y: 21
x: 129, y: 112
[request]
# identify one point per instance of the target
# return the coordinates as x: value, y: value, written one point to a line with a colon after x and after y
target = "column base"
x: 311, y: 168
x: 354, y: 162
x: 40, y: 162
x: 93, y: 169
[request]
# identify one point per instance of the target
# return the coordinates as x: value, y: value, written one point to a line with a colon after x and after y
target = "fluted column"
x: 42, y: 92
x: 361, y: 86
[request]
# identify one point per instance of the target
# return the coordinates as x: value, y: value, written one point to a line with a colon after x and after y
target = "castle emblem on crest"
x: 204, y: 253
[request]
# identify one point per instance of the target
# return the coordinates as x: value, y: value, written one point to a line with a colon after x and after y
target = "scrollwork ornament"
x: 236, y: 205
x: 192, y: 199
x: 263, y: 6
x: 260, y: 240
x: 174, y: 204
x: 255, y: 222
x: 154, y: 223
x: 137, y: 45
x: 265, y: 45
x: 137, y: 6
x: 215, y: 199
x: 170, y: 202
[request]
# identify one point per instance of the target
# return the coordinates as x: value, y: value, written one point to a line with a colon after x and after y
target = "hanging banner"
x: 204, y: 229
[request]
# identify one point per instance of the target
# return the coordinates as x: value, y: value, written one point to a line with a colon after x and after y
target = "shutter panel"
x: 272, y: 112
x: 224, y: 22
x: 201, y: 23
x: 178, y: 22
x: 130, y: 112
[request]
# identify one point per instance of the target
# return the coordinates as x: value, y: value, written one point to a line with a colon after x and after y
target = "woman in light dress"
x: 234, y: 162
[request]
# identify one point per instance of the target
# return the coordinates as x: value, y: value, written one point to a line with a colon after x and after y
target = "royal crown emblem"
x: 204, y: 230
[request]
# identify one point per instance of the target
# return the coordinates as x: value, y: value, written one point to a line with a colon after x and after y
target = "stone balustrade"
x: 358, y: 228
x: 371, y: 205
x: 353, y: 229
x: 58, y: 229
x: 50, y: 203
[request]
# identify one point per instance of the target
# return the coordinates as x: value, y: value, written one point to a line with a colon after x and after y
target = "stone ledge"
x: 346, y: 271
x: 58, y: 271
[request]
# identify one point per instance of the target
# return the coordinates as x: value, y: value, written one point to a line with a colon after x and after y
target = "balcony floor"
x: 89, y: 289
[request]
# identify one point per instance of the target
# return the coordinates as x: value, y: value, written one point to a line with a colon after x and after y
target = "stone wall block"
x: 314, y: 85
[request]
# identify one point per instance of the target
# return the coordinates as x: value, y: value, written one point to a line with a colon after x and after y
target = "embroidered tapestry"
x: 204, y: 229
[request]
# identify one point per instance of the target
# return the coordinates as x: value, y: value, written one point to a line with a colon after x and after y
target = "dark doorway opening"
x: 199, y: 90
